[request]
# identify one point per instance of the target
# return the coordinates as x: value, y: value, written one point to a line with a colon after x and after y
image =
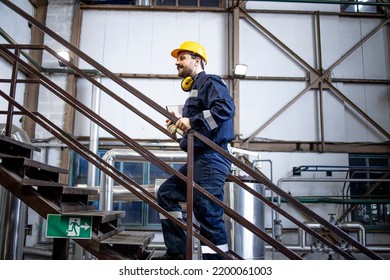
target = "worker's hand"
x: 172, y: 127
x: 183, y: 124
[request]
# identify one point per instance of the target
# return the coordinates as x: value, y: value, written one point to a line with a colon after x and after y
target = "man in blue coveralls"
x: 209, y: 110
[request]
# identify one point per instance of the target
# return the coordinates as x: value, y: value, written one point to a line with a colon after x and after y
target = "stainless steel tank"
x: 241, y: 240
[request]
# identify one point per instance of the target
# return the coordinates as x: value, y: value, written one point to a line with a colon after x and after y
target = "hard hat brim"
x: 175, y: 53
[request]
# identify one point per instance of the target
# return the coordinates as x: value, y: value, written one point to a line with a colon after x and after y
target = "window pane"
x: 166, y: 2
x: 156, y: 173
x: 134, y: 170
x: 375, y: 167
x: 153, y: 216
x: 80, y: 170
x: 346, y: 8
x: 209, y: 3
x: 188, y: 3
x: 133, y: 212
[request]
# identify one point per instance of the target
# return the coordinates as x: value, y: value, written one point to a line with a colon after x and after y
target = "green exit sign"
x: 59, y: 226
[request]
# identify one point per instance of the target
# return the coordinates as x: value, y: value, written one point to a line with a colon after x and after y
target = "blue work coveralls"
x: 210, y: 109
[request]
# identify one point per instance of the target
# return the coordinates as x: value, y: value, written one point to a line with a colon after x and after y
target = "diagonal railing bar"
x: 196, y: 234
x: 263, y: 179
x: 211, y: 245
x: 91, y: 61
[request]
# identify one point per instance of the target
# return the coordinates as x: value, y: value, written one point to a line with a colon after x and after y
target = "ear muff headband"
x: 187, y: 83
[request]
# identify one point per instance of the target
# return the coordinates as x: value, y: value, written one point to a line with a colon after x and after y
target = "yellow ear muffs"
x: 187, y: 83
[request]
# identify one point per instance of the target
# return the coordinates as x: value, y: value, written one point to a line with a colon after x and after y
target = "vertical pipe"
x: 94, y: 133
x: 106, y: 189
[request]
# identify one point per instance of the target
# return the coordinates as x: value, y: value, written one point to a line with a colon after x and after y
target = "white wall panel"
x: 330, y: 41
x: 334, y: 118
x: 141, y: 43
x: 296, y: 32
x: 262, y: 56
x: 93, y: 36
x: 116, y: 41
x: 15, y: 25
x: 260, y: 101
x: 338, y: 36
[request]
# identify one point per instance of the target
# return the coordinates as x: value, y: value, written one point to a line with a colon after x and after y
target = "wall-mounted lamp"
x: 65, y: 55
x: 240, y: 71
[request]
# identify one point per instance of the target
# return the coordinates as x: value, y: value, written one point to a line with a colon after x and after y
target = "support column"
x: 31, y: 95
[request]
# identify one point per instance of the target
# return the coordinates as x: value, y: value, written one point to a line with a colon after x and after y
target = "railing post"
x: 12, y: 94
x: 190, y: 194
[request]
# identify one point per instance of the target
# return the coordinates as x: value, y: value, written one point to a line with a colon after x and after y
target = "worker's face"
x: 186, y: 65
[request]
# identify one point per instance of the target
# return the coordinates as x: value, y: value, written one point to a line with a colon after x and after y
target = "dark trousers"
x: 210, y: 172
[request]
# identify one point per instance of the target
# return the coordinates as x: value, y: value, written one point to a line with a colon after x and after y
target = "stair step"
x: 71, y: 207
x: 14, y: 147
x: 38, y: 183
x: 136, y: 238
x: 26, y: 167
x: 103, y: 216
x: 32, y: 163
x: 74, y: 191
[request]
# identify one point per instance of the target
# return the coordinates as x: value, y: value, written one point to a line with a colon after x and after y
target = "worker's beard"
x: 184, y: 72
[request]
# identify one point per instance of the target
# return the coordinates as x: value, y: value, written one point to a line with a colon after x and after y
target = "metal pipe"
x: 321, y: 180
x: 117, y: 155
x: 302, y: 242
x: 106, y: 187
x: 94, y: 133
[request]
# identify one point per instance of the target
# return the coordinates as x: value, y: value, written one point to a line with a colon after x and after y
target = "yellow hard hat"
x: 193, y: 47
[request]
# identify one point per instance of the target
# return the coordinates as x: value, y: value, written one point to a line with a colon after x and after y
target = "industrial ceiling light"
x: 240, y: 71
x: 65, y: 55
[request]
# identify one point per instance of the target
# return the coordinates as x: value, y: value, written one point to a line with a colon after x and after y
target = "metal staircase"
x: 37, y: 184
